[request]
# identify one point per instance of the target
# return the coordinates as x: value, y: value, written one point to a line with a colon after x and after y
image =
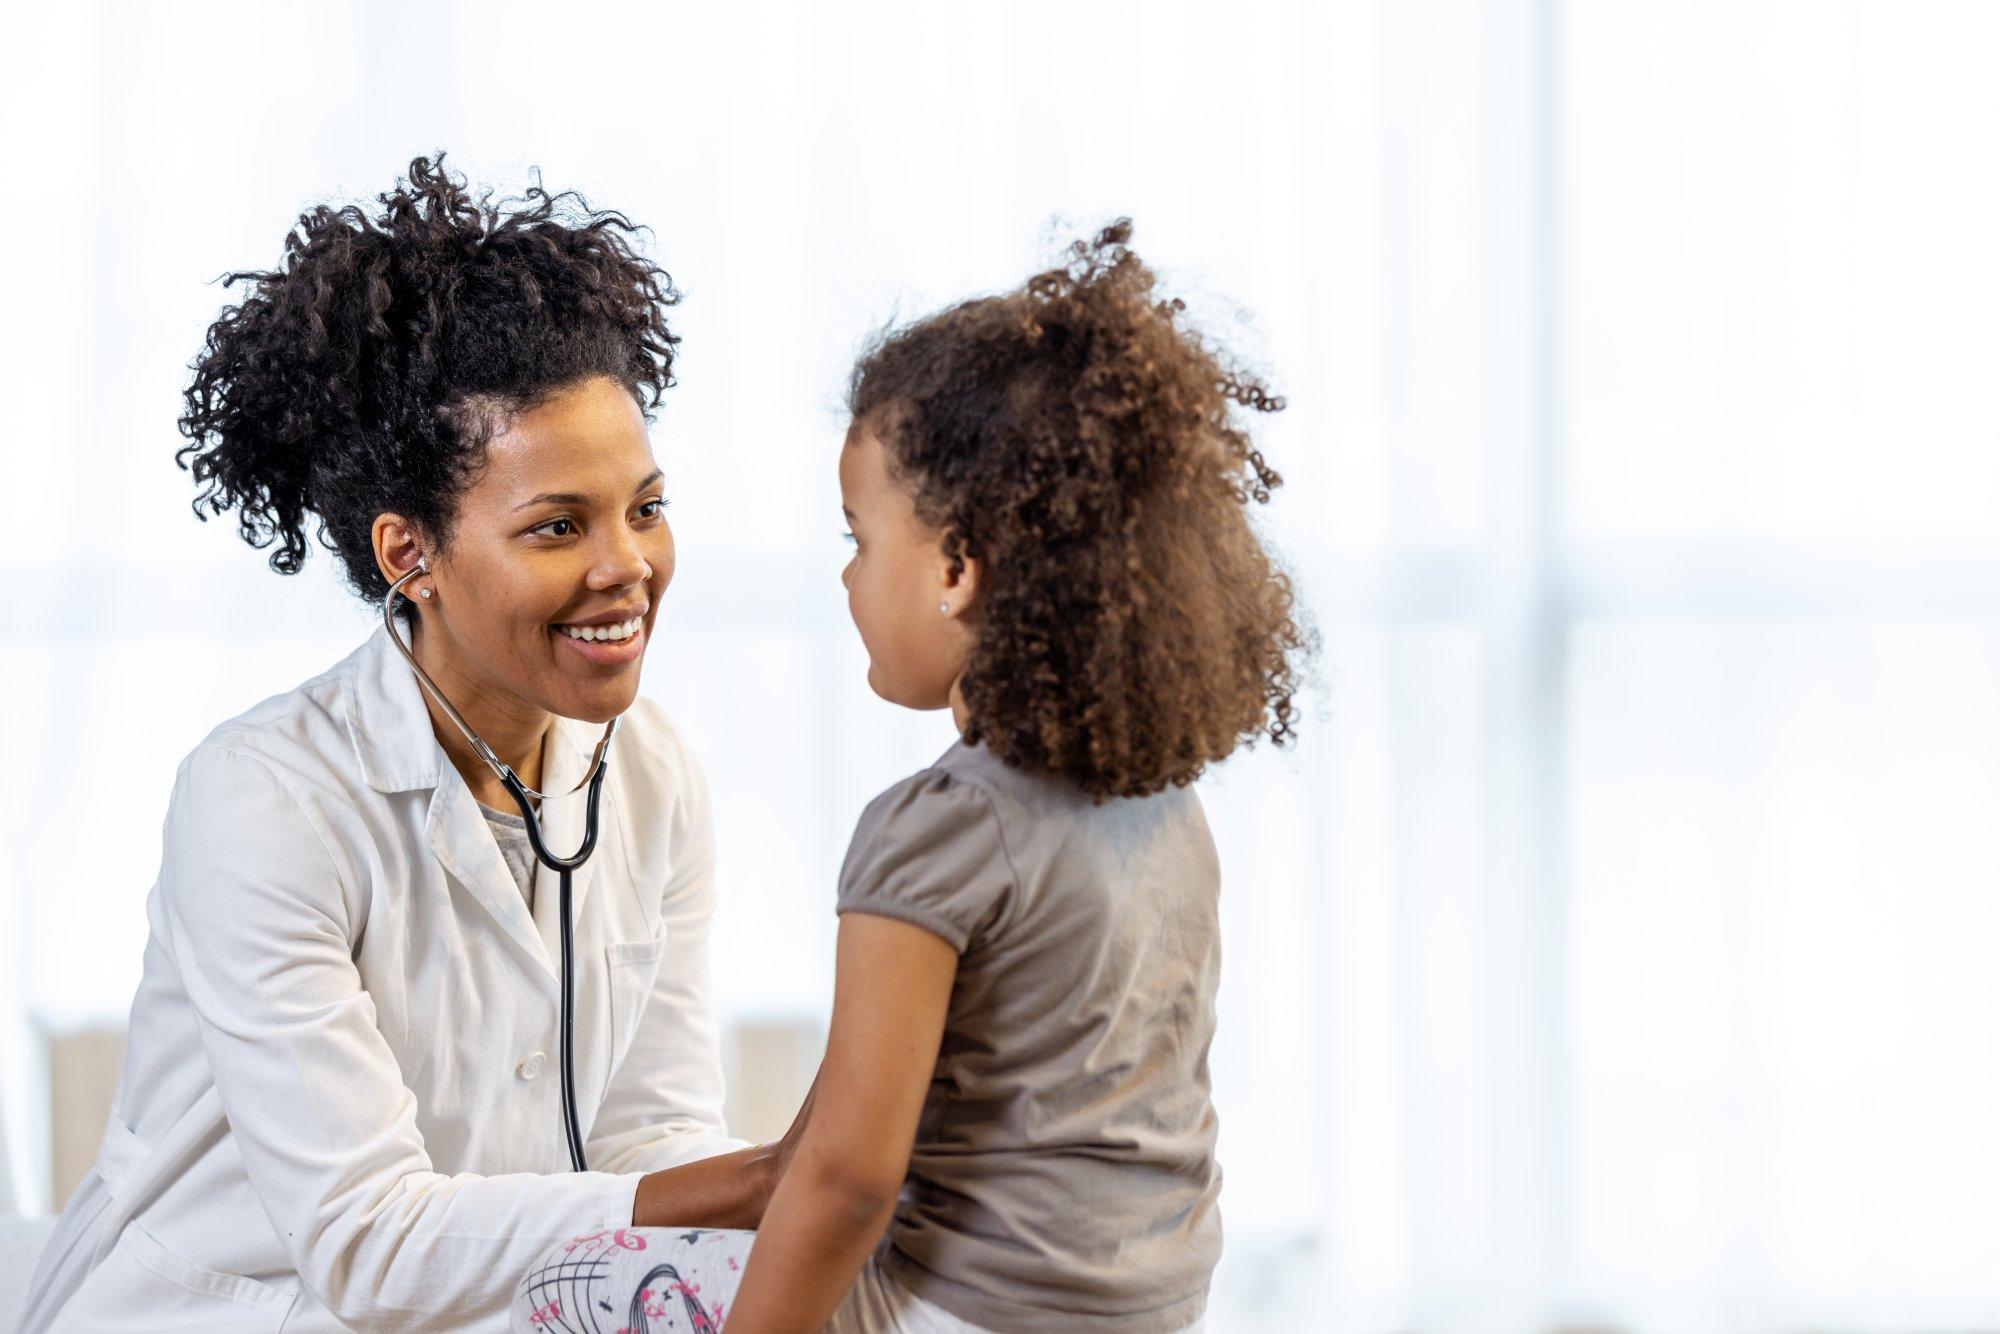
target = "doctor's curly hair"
x: 1085, y: 445
x: 368, y: 370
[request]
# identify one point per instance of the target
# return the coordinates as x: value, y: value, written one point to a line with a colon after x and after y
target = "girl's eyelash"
x: 848, y: 538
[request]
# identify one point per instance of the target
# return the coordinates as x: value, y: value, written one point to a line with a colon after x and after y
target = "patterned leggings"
x: 646, y: 1280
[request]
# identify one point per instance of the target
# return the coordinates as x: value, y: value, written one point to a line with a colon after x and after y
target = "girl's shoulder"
x: 929, y: 849
x: 942, y: 797
x: 1024, y: 798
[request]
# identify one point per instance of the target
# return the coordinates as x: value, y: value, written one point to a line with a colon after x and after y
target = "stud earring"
x: 945, y: 607
x: 424, y: 593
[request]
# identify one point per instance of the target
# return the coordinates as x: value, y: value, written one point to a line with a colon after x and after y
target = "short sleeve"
x: 929, y: 851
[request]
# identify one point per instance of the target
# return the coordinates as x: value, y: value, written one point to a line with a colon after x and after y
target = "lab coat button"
x: 531, y: 1067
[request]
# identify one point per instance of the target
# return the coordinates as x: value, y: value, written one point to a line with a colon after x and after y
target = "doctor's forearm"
x: 729, y: 1190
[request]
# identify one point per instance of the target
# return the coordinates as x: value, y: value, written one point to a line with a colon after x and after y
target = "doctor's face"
x: 560, y: 551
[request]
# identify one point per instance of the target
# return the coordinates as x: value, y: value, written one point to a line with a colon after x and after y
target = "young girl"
x: 1011, y: 1129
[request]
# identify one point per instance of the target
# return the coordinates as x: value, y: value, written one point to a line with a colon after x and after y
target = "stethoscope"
x: 562, y: 866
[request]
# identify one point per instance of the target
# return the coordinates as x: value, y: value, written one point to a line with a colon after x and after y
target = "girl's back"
x: 1063, y: 1161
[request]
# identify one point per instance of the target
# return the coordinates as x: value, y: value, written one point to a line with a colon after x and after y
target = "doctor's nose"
x: 623, y: 564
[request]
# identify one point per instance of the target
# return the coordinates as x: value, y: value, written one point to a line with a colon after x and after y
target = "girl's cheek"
x: 861, y: 608
x: 888, y: 632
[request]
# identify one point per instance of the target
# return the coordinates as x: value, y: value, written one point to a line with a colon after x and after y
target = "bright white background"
x: 1622, y: 946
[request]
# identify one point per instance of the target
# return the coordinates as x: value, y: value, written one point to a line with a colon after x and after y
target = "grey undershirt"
x: 511, y: 833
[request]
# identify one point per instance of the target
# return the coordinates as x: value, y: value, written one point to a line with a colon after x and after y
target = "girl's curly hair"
x: 367, y: 372
x: 1083, y: 443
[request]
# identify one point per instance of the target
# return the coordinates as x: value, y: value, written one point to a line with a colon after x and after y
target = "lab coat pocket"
x: 142, y: 1284
x: 632, y: 966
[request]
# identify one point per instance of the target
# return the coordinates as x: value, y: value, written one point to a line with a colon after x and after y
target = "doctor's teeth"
x: 604, y: 632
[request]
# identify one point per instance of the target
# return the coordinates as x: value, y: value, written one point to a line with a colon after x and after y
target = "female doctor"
x: 340, y: 1105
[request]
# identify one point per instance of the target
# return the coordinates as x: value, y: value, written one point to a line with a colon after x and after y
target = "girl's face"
x: 564, y: 530
x: 902, y: 592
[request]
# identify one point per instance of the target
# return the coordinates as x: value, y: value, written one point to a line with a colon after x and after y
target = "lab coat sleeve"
x: 262, y: 931
x: 664, y: 1105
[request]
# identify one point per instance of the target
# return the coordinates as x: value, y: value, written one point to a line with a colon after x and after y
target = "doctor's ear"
x: 400, y: 548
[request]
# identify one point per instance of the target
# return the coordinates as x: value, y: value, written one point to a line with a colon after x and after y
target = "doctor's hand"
x: 729, y: 1190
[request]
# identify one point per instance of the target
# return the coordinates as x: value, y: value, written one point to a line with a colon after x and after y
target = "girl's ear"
x: 959, y: 575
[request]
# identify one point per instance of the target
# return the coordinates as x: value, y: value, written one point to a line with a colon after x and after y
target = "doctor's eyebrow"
x: 572, y: 498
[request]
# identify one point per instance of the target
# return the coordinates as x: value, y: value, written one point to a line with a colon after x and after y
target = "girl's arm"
x: 892, y: 984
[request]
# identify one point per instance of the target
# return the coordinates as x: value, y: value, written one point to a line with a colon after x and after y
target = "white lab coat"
x: 341, y: 1103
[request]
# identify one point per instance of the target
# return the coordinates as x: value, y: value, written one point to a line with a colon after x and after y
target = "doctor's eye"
x: 565, y: 519
x: 658, y: 513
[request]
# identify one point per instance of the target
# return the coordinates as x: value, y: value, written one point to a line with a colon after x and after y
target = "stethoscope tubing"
x: 562, y: 866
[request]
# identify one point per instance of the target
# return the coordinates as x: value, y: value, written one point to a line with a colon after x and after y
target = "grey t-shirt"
x: 1063, y: 1175
x: 511, y: 833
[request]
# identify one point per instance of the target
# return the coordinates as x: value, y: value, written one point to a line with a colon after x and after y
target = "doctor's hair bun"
x: 366, y: 372
x: 1090, y: 449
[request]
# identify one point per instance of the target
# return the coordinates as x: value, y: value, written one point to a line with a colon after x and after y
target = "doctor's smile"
x: 606, y: 652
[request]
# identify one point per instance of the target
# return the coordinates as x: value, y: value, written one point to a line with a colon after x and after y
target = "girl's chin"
x: 902, y: 693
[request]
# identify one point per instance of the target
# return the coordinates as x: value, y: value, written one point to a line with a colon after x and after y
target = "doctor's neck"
x: 514, y: 728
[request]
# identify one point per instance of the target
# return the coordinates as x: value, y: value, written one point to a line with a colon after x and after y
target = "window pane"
x: 1785, y: 969
x: 1779, y: 280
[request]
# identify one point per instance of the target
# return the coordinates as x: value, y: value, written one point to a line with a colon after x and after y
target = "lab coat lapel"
x: 464, y: 845
x: 387, y: 721
x: 390, y: 728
